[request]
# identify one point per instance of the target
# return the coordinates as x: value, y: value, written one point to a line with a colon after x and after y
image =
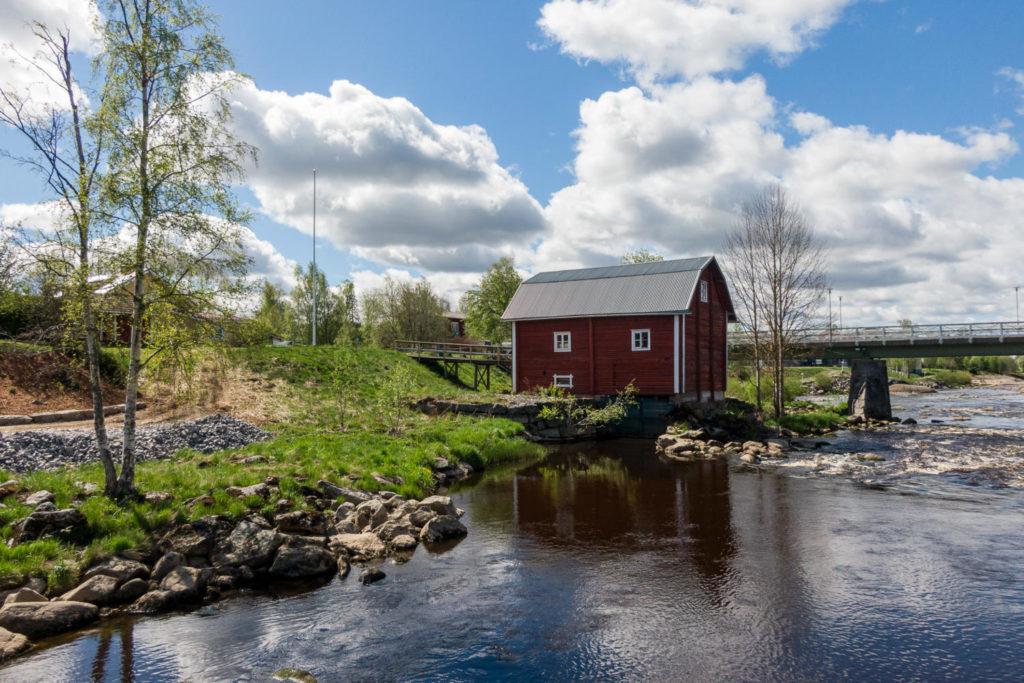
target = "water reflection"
x: 603, y: 562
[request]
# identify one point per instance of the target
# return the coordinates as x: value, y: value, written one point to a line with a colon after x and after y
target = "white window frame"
x: 704, y: 296
x: 563, y: 348
x: 557, y: 379
x: 632, y: 338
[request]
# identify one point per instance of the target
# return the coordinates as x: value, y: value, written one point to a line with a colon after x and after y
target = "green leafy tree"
x: 641, y: 256
x: 404, y: 310
x: 487, y: 301
x: 335, y: 310
x: 171, y: 162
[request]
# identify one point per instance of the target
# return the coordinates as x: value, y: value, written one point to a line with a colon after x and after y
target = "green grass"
x: 348, y: 418
x: 810, y: 421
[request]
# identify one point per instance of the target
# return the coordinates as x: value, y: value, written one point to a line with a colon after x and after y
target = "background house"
x: 661, y: 325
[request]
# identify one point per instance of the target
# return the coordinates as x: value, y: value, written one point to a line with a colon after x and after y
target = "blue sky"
x: 927, y: 67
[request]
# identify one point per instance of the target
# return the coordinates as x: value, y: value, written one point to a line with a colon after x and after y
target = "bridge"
x: 903, y: 341
x: 450, y: 355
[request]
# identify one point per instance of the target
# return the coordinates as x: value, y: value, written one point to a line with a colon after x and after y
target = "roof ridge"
x: 622, y: 270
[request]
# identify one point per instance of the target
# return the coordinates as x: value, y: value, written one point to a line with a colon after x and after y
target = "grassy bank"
x: 344, y: 416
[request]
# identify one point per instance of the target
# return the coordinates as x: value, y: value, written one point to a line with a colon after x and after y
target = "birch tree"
x: 779, y: 277
x: 66, y: 150
x: 172, y: 158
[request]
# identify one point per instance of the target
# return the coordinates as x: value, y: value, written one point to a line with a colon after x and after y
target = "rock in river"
x: 41, y: 619
x: 371, y: 575
x: 366, y: 545
x: 442, y: 528
x: 120, y: 568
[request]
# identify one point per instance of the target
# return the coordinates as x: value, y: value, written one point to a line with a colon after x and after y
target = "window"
x: 703, y: 291
x: 563, y: 342
x: 563, y: 381
x: 641, y: 340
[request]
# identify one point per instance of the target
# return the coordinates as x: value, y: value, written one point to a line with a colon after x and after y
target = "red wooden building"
x: 661, y: 325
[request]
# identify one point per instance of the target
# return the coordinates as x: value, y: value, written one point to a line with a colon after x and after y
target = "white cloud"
x: 19, y: 46
x: 919, y: 226
x: 690, y: 38
x: 392, y: 184
x: 1016, y: 79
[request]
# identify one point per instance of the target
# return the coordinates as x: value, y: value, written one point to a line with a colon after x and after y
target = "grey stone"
x: 130, y: 591
x: 186, y: 582
x: 38, y: 497
x: 442, y: 528
x: 421, y: 517
x: 365, y: 545
x: 260, y: 489
x: 165, y: 564
x: 41, y: 619
x: 25, y: 595
x: 371, y: 575
x: 12, y: 644
x: 98, y: 590
x: 349, y: 495
x: 69, y: 524
x: 249, y: 544
x: 301, y: 562
x: 120, y: 568
x: 404, y: 542
x: 442, y: 505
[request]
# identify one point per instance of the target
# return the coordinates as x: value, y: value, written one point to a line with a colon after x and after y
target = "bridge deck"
x: 909, y: 341
x: 449, y: 355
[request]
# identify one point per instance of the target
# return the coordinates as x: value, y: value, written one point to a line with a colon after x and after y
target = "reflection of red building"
x: 661, y: 325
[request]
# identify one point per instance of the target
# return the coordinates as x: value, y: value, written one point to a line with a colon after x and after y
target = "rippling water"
x: 602, y: 562
x: 972, y: 437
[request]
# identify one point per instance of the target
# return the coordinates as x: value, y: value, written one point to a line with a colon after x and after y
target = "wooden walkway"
x: 450, y: 355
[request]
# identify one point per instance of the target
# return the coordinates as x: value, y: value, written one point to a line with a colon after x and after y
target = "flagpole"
x: 315, y: 279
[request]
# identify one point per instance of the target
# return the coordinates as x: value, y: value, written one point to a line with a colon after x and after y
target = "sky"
x: 564, y: 133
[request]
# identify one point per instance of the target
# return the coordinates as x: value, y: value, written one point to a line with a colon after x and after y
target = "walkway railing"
x: 903, y: 335
x: 454, y: 351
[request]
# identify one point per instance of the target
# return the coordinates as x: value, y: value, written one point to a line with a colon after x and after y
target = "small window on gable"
x: 641, y: 340
x: 563, y: 381
x: 563, y: 342
x: 703, y: 291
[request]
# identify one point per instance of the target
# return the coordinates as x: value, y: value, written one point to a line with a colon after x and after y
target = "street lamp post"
x: 315, y: 279
x: 830, y: 316
x: 840, y: 311
x: 1016, y: 296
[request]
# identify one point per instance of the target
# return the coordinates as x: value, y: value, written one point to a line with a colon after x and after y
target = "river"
x: 602, y: 562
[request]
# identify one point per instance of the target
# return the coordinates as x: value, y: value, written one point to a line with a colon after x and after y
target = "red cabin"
x: 661, y: 325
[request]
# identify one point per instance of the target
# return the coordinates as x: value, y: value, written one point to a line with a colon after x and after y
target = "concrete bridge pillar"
x: 869, y: 390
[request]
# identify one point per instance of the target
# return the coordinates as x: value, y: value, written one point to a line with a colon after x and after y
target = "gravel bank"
x: 50, y: 449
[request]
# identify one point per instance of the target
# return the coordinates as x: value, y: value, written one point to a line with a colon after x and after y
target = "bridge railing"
x: 900, y: 334
x: 454, y: 351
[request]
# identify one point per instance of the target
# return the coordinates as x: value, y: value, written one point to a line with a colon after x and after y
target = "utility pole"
x: 316, y: 279
x: 840, y: 311
x: 1016, y: 296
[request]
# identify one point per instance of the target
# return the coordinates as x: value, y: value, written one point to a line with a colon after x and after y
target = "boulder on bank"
x: 302, y: 562
x: 249, y: 544
x: 131, y: 590
x: 41, y: 619
x: 186, y: 583
x: 120, y: 568
x: 25, y: 595
x: 371, y: 575
x: 441, y: 505
x: 195, y: 539
x: 69, y: 524
x: 365, y: 545
x: 12, y: 644
x: 97, y: 590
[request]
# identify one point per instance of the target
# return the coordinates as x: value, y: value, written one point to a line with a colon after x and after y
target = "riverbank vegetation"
x: 343, y: 414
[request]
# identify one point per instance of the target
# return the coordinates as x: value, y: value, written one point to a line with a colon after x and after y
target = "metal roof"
x: 635, y: 289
